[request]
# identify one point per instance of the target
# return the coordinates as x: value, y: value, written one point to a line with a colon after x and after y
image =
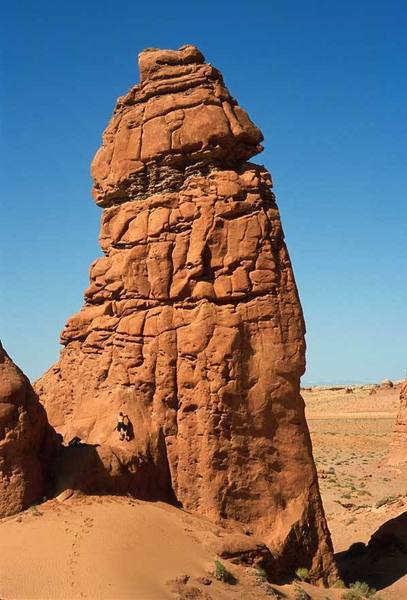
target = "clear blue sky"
x: 325, y: 81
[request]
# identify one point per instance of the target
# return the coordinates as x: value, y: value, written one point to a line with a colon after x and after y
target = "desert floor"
x: 351, y: 429
x: 112, y: 548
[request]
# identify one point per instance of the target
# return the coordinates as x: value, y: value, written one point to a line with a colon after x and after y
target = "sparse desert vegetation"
x: 351, y: 435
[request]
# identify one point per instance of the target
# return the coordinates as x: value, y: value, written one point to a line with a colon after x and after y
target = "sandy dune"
x: 111, y: 548
x: 99, y: 548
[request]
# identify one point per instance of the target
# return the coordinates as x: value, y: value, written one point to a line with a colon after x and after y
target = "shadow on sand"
x: 381, y: 562
x: 103, y: 469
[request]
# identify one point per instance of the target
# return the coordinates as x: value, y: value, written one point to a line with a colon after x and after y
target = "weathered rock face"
x: 192, y: 323
x: 398, y: 449
x: 181, y: 115
x: 26, y: 440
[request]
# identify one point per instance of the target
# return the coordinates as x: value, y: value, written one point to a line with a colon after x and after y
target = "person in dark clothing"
x: 122, y: 426
x: 75, y: 442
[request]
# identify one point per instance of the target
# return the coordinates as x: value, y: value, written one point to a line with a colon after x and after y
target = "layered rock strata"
x: 27, y: 442
x: 192, y: 323
x: 398, y: 448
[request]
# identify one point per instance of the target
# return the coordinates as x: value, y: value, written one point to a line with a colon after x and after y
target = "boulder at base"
x: 27, y: 442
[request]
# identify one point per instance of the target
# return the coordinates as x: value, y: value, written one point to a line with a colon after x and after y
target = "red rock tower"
x: 192, y: 323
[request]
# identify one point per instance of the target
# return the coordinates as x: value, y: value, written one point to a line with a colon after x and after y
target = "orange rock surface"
x: 398, y: 448
x: 192, y: 324
x: 180, y: 115
x: 25, y: 440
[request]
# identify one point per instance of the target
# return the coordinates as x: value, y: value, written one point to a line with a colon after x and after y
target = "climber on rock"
x: 123, y: 427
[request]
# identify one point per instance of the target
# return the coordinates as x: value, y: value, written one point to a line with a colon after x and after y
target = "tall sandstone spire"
x: 192, y: 323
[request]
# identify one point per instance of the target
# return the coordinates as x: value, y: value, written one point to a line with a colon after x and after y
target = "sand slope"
x: 115, y: 548
x: 98, y: 548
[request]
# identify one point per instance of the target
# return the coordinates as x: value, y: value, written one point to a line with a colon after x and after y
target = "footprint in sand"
x: 81, y: 530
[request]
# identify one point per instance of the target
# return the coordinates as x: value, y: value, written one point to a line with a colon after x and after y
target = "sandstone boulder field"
x: 192, y: 324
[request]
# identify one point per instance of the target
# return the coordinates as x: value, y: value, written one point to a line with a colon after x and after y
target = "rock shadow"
x: 381, y: 562
x: 101, y: 469
x: 129, y: 430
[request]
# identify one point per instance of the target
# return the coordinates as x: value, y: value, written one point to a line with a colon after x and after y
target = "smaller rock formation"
x: 26, y: 440
x: 398, y: 448
x: 386, y: 383
x: 243, y: 549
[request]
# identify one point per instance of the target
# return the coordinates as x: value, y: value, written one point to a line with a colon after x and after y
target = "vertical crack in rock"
x: 192, y: 323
